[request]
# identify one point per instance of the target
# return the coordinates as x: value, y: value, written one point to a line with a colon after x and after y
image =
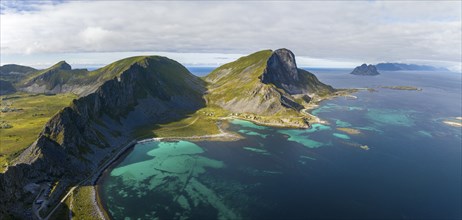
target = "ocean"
x: 199, y: 70
x: 386, y: 154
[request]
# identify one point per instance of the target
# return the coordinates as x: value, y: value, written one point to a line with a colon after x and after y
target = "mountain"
x: 365, y: 70
x: 15, y: 73
x: 6, y: 88
x: 408, y: 67
x: 123, y: 98
x: 59, y: 78
x: 264, y: 83
x: 15, y: 69
x: 144, y: 91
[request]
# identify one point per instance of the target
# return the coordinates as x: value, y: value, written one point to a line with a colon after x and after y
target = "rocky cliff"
x: 281, y: 71
x: 365, y: 70
x: 147, y: 90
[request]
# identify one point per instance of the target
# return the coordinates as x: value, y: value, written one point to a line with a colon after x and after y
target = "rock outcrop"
x: 365, y: 70
x: 80, y: 137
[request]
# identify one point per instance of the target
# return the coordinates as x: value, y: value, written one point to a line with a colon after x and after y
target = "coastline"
x: 224, y: 135
x: 98, y: 201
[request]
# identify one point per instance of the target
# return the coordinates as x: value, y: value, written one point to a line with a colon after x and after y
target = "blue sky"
x: 207, y: 33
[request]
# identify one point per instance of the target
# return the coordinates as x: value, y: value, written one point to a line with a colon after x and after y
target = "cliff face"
x: 263, y: 83
x: 365, y: 70
x: 281, y: 70
x: 77, y: 139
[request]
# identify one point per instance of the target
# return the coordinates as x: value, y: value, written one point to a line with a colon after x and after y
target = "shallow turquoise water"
x: 405, y: 164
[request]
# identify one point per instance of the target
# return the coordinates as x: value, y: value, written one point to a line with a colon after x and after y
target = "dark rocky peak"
x: 282, y: 63
x: 365, y: 70
x: 62, y: 65
x: 281, y: 70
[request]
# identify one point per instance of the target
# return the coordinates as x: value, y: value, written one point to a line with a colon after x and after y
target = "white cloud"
x: 353, y: 31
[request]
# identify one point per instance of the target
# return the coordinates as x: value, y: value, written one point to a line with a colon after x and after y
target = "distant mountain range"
x: 373, y: 70
x: 408, y: 67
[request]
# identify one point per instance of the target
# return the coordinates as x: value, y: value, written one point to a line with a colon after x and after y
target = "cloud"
x: 353, y: 31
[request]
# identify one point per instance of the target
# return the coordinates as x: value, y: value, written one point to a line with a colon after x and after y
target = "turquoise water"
x: 405, y: 163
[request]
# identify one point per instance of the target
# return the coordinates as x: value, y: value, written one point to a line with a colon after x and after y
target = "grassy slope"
x: 238, y: 78
x: 28, y: 122
x: 200, y: 123
x: 82, y: 206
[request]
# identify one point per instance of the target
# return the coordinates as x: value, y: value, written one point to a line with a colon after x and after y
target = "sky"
x: 335, y: 34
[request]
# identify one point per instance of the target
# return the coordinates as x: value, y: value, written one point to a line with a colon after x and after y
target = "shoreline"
x: 98, y: 201
x: 229, y: 136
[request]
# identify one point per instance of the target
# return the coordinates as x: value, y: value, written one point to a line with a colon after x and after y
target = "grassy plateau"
x: 22, y: 117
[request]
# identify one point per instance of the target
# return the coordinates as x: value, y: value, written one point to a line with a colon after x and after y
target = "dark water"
x: 404, y: 164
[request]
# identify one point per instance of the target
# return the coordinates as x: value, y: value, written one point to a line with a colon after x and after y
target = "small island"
x: 350, y: 130
x: 365, y: 70
x: 454, y: 122
x: 408, y: 88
